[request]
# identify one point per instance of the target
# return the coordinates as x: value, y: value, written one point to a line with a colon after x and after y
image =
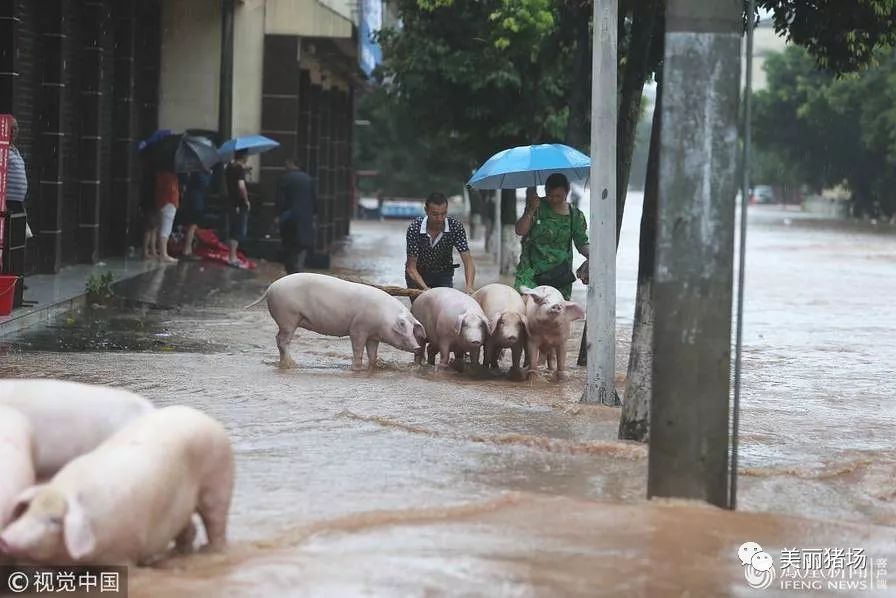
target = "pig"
x: 127, y: 500
x: 453, y: 321
x: 506, y: 313
x: 69, y: 418
x: 16, y: 459
x: 548, y: 319
x: 336, y: 307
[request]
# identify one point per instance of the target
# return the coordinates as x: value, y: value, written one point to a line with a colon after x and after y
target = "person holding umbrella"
x: 550, y: 226
x: 238, y: 194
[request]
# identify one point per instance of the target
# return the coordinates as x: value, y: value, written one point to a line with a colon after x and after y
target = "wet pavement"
x: 402, y: 482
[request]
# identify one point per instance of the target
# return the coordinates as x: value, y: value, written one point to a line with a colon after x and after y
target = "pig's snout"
x: 511, y: 338
x: 556, y: 309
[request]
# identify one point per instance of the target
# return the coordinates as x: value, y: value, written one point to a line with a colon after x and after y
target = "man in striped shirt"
x: 16, y: 177
x: 431, y: 240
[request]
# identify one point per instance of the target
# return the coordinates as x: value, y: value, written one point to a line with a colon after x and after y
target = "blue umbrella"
x: 255, y: 144
x: 530, y: 166
x: 157, y: 136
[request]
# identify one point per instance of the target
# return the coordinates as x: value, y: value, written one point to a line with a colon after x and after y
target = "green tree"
x: 826, y: 130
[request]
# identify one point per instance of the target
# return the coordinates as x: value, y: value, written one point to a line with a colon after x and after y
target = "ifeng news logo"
x: 831, y: 569
x: 759, y: 566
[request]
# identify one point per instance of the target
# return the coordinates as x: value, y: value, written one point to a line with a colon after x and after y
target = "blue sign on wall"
x: 370, y: 54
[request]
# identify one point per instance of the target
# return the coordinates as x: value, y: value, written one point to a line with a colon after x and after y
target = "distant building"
x: 765, y: 43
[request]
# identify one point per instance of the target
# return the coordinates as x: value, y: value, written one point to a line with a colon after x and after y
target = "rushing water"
x: 402, y: 482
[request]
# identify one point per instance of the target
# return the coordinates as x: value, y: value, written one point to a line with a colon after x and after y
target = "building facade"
x: 87, y: 79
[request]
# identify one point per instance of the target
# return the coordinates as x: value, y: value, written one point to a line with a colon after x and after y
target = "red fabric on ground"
x: 208, y: 246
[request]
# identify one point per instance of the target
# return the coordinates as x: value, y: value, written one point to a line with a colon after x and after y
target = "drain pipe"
x: 225, y: 97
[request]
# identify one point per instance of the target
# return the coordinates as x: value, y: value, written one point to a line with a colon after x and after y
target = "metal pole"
x: 693, y: 279
x: 497, y: 231
x: 742, y: 253
x: 601, y: 308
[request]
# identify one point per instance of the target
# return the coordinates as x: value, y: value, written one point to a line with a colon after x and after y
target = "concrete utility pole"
x: 601, y: 309
x: 688, y: 455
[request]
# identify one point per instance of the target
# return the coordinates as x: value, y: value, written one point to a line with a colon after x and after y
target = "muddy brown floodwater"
x: 402, y: 483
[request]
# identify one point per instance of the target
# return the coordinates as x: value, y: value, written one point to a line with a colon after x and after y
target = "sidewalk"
x: 55, y: 294
x: 383, y: 242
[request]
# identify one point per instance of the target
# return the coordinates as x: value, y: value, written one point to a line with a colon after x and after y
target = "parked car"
x: 763, y: 194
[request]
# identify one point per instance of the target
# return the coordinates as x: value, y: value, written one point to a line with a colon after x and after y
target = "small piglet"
x: 454, y: 322
x: 126, y: 501
x: 69, y: 418
x: 336, y: 307
x: 548, y: 318
x: 16, y: 459
x: 506, y: 313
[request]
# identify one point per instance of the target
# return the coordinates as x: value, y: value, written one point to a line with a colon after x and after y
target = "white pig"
x: 336, y: 307
x: 548, y: 320
x: 453, y: 321
x: 16, y: 459
x: 506, y: 313
x: 69, y: 418
x: 125, y: 502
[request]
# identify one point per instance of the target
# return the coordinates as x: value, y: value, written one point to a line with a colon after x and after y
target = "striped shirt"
x: 435, y: 256
x: 16, y: 177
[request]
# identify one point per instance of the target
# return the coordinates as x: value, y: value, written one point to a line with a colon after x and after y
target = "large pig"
x: 454, y: 322
x: 16, y: 459
x: 69, y: 418
x: 506, y: 313
x: 548, y: 320
x: 126, y: 501
x: 335, y: 307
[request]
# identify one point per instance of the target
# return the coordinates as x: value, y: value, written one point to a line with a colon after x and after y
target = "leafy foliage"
x: 841, y: 35
x: 827, y: 130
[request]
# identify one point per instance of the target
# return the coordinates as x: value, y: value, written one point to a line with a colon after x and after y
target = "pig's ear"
x: 573, y: 311
x: 419, y: 332
x: 493, y: 322
x: 79, y: 539
x: 459, y: 323
x: 22, y: 502
x: 533, y: 294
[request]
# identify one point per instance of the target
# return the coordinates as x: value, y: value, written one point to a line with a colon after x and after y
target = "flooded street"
x: 402, y: 482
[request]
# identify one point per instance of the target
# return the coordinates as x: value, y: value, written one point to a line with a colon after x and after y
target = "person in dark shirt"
x: 238, y: 194
x: 193, y: 207
x: 431, y: 240
x: 295, y: 207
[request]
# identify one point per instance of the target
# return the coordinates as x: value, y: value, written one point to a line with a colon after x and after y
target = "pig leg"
x: 515, y: 354
x: 284, y: 337
x: 533, y: 358
x: 489, y: 354
x: 560, y: 374
x: 444, y: 356
x: 418, y: 355
x: 184, y: 541
x: 474, y: 355
x: 552, y: 358
x: 431, y: 351
x: 459, y: 361
x: 358, y: 353
x: 214, y: 504
x: 372, y: 347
